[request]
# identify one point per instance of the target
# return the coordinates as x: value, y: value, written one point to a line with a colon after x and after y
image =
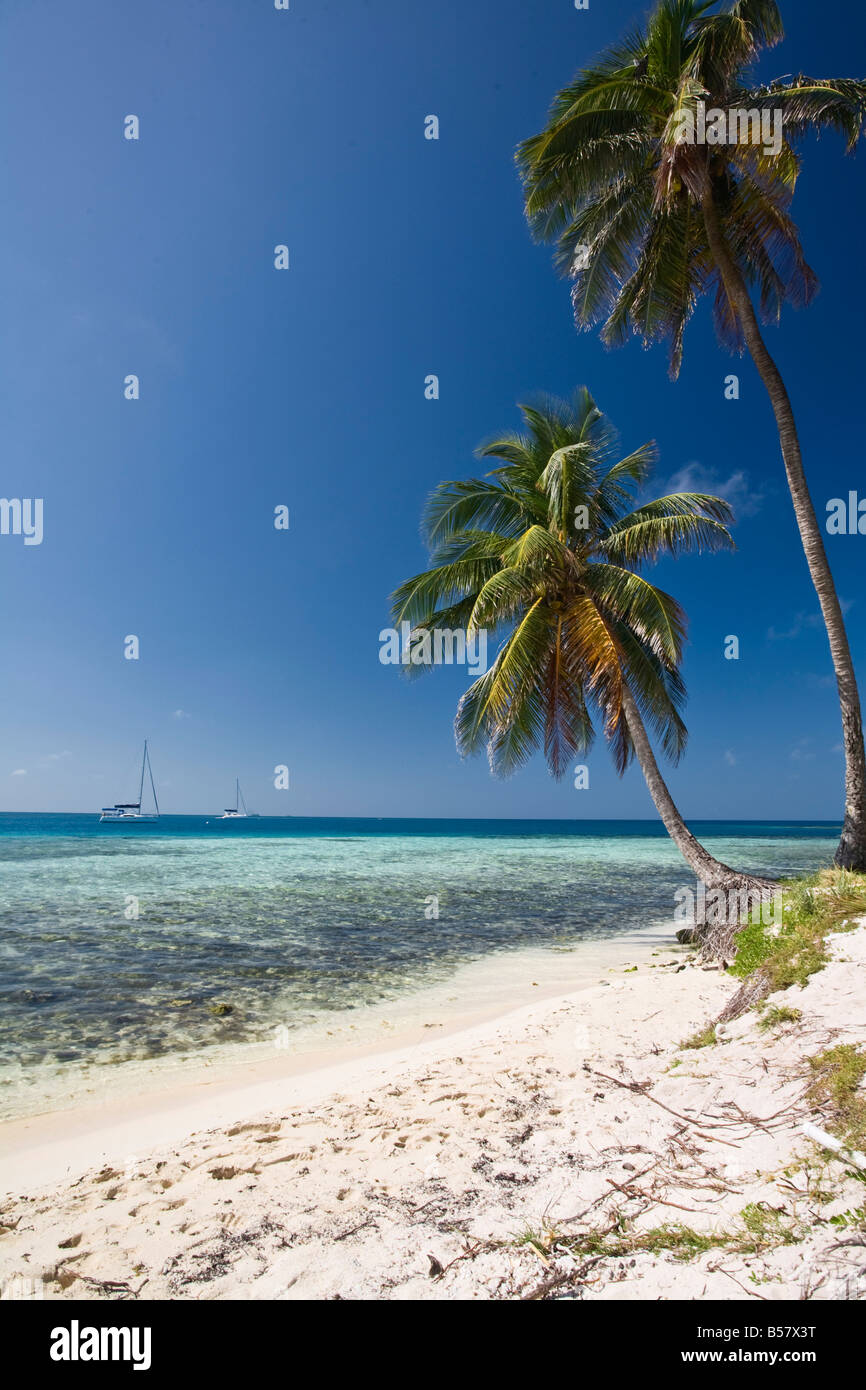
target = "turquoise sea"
x: 121, y: 943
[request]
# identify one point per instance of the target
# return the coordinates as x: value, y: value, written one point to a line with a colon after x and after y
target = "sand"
x: 483, y: 1162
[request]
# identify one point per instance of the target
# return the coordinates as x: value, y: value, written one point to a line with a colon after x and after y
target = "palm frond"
x: 673, y: 525
x: 656, y: 619
x: 475, y: 504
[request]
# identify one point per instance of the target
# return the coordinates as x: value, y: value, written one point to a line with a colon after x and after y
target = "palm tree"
x: 547, y: 548
x: 646, y: 220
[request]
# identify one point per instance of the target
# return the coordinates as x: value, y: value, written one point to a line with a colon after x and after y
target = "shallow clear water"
x: 284, y: 920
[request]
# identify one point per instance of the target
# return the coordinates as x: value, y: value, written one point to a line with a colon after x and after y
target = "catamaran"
x: 130, y: 811
x: 239, y: 810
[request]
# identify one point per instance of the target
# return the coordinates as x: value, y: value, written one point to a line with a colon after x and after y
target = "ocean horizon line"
x: 649, y: 820
x: 516, y: 820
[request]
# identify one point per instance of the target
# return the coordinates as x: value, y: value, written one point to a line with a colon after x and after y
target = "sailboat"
x: 239, y: 810
x: 130, y: 811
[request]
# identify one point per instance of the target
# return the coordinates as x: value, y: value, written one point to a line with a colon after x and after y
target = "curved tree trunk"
x: 712, y: 872
x: 851, y: 853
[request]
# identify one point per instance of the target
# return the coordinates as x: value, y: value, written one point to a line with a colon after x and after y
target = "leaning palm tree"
x: 546, y: 550
x: 646, y: 219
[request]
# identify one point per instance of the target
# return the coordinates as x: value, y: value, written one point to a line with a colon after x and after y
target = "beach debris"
x: 829, y: 1141
x: 106, y: 1174
x: 266, y: 1127
x: 220, y: 1010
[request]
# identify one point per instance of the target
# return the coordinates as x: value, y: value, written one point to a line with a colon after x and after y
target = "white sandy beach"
x: 415, y: 1172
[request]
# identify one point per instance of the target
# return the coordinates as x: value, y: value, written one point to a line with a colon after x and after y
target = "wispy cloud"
x: 801, y: 752
x: 19, y: 772
x: 806, y: 622
x: 736, y: 489
x: 180, y: 714
x: 801, y: 623
x: 730, y: 757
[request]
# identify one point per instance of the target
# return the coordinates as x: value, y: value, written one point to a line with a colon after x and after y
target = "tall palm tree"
x: 646, y: 220
x: 546, y: 550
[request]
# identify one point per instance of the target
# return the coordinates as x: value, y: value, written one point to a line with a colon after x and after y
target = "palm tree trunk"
x: 851, y: 853
x: 712, y: 872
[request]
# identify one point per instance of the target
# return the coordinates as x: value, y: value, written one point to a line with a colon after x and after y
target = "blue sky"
x: 306, y: 388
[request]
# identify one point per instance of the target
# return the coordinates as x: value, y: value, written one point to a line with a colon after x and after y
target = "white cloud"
x: 805, y: 620
x: 736, y: 489
x: 730, y: 757
x: 801, y: 753
x: 180, y: 714
x: 19, y: 772
x: 801, y: 621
